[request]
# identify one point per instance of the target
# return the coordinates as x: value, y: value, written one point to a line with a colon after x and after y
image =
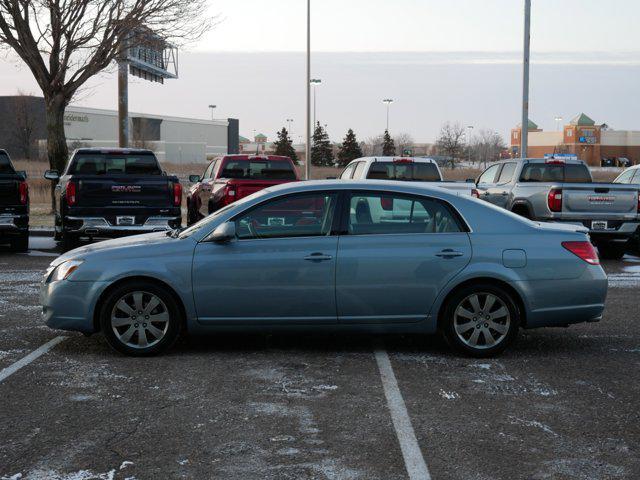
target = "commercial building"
x: 173, y: 139
x: 595, y: 144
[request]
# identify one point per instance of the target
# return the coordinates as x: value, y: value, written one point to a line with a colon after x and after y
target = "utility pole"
x: 212, y: 108
x: 123, y: 100
x: 524, y: 133
x: 307, y: 161
x: 388, y: 101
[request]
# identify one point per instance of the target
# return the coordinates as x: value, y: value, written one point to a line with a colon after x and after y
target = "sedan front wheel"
x: 481, y: 320
x: 140, y: 319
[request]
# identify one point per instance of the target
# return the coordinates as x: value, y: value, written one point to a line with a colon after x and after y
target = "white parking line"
x: 413, y: 459
x: 13, y: 368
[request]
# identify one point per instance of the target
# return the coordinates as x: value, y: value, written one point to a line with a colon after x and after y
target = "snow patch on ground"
x: 533, y: 424
x: 449, y: 395
x: 628, y: 278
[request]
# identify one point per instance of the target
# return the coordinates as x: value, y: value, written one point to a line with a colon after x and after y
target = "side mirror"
x: 224, y: 233
x: 52, y: 175
x: 194, y: 178
x: 22, y: 173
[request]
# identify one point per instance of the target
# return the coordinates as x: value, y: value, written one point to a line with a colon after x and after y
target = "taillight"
x: 229, y: 194
x: 386, y: 203
x: 177, y: 194
x: 554, y: 200
x: 583, y: 250
x: 23, y: 189
x: 475, y: 193
x: 70, y: 194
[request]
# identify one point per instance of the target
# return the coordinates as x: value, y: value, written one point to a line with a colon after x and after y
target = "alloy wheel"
x: 140, y: 319
x: 482, y: 320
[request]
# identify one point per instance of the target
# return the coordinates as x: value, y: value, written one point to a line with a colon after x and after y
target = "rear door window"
x: 360, y: 166
x: 258, y: 170
x: 626, y: 177
x: 114, y: 164
x: 346, y: 174
x: 385, y: 213
x: 5, y: 165
x: 555, y: 172
x: 507, y: 173
x: 489, y: 174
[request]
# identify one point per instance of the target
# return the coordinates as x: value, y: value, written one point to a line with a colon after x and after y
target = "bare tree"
x: 66, y: 42
x: 25, y: 124
x: 486, y: 146
x: 450, y: 142
x: 403, y: 141
x: 372, y: 146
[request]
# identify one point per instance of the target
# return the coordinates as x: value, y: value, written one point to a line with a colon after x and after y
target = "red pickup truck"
x: 231, y: 177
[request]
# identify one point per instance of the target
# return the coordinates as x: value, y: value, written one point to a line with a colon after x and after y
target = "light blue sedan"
x: 370, y: 256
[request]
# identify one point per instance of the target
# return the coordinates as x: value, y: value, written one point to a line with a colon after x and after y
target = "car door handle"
x: 449, y: 253
x: 318, y: 257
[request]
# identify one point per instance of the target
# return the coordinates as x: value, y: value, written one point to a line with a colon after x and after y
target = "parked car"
x: 106, y: 193
x: 14, y: 205
x: 631, y: 176
x: 407, y: 169
x: 231, y: 177
x: 333, y: 255
x: 553, y: 190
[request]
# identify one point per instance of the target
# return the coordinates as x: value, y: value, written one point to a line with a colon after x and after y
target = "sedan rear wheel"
x: 481, y: 320
x: 140, y: 319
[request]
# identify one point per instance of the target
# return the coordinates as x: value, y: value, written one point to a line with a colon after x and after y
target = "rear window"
x: 5, y: 165
x: 115, y: 164
x: 258, y: 170
x: 407, y: 171
x: 554, y: 172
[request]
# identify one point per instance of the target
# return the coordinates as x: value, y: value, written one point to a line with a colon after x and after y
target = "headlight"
x: 64, y: 270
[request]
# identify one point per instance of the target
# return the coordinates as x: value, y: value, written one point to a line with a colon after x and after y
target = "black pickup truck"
x: 108, y: 193
x: 14, y: 205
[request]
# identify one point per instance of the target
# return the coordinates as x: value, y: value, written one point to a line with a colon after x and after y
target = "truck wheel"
x: 522, y: 210
x: 140, y: 319
x: 480, y: 320
x: 20, y: 243
x: 611, y: 250
x: 68, y: 241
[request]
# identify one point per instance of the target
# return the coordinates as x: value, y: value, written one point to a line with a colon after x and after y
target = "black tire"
x: 20, y: 243
x: 451, y: 317
x: 611, y: 251
x: 68, y: 241
x: 155, y: 345
x: 522, y: 210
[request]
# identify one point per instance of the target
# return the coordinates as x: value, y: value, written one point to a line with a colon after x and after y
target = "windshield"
x: 5, y: 165
x: 555, y: 172
x: 205, y: 222
x: 258, y: 170
x: 408, y: 171
x: 114, y: 164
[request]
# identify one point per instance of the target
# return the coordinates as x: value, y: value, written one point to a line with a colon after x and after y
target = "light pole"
x: 469, y: 129
x: 314, y: 82
x: 212, y: 108
x: 558, y: 120
x: 388, y: 101
x: 289, y: 122
x: 307, y: 160
x: 524, y: 141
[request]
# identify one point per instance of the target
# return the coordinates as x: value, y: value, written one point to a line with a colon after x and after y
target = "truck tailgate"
x: 599, y: 199
x: 9, y: 192
x: 244, y: 187
x: 103, y: 191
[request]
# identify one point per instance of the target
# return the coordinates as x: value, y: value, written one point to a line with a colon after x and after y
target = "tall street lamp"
x: 314, y: 82
x: 212, y: 108
x: 558, y: 120
x: 289, y: 122
x: 524, y: 133
x: 469, y: 129
x: 388, y: 102
x: 307, y: 160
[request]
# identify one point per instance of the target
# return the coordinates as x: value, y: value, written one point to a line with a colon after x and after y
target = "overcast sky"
x: 446, y: 60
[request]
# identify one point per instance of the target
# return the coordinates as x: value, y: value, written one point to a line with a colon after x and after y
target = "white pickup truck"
x: 406, y: 169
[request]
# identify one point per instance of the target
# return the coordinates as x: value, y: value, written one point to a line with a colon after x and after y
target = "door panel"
x: 395, y: 278
x: 280, y: 280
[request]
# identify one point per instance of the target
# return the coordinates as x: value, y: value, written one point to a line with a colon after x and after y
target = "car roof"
x: 113, y: 150
x: 396, y: 158
x: 244, y: 156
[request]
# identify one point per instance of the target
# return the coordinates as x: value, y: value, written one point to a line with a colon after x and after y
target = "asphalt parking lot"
x: 560, y: 404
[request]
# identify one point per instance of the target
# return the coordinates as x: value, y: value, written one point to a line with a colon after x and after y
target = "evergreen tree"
x: 284, y: 146
x: 388, y: 146
x: 349, y: 150
x: 321, y: 150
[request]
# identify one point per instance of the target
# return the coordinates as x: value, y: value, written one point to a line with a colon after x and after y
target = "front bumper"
x: 101, y: 227
x: 11, y: 225
x: 68, y: 305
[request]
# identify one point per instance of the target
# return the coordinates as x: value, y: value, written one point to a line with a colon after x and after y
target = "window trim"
x: 335, y: 221
x: 346, y: 205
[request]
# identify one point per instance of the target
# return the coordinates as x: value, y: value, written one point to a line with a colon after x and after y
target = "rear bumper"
x: 559, y: 303
x: 13, y: 225
x: 101, y: 227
